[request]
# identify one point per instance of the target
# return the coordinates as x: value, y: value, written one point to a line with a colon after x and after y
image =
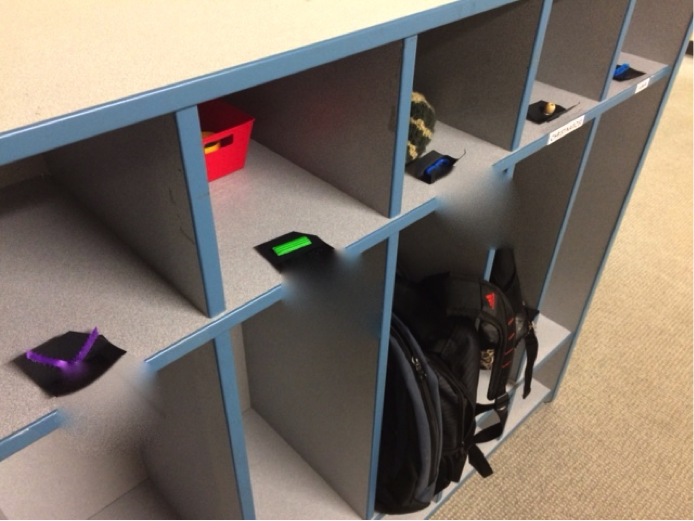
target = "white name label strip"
x: 566, y: 129
x: 642, y: 85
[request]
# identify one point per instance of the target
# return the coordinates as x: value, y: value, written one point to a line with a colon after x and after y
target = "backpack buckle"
x: 501, y: 403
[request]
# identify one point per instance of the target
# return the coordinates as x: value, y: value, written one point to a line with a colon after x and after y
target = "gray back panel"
x: 337, y: 121
x: 133, y: 180
x: 580, y: 44
x: 613, y: 159
x: 474, y: 71
x: 437, y: 244
x: 658, y: 28
x: 189, y: 459
x: 311, y: 363
x: 549, y: 372
x: 542, y: 185
x: 19, y: 171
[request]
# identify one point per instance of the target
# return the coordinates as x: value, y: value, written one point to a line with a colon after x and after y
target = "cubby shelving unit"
x: 246, y: 393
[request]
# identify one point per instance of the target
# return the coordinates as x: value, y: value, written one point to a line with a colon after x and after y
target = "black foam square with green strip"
x: 292, y: 248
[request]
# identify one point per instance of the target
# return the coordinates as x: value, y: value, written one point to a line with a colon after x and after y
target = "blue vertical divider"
x: 400, y: 149
x: 618, y: 48
x: 569, y: 207
x: 403, y: 123
x: 201, y: 208
x: 390, y: 269
x: 232, y: 410
x: 532, y: 72
x: 606, y: 254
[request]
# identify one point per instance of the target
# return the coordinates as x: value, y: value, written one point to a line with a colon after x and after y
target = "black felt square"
x: 71, y: 375
x: 432, y: 166
x: 536, y: 112
x: 628, y: 74
x: 314, y: 249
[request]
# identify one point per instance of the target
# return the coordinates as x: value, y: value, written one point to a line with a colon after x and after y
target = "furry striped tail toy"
x: 422, y: 122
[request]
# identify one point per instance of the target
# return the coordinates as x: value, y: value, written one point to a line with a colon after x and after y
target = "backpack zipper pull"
x: 418, y: 368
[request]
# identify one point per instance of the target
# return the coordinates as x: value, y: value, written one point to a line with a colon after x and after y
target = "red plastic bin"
x: 231, y: 128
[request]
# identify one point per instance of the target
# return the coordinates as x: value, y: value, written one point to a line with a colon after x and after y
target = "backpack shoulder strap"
x: 505, y: 276
x: 483, y: 301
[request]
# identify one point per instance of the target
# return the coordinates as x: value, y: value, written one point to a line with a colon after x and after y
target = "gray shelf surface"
x: 550, y: 336
x: 284, y: 485
x: 649, y: 67
x: 61, y: 270
x: 471, y: 171
x: 142, y: 502
x: 271, y: 197
x: 65, y: 478
x: 542, y: 91
x: 85, y: 71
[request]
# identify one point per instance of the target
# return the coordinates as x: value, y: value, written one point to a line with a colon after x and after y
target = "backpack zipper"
x: 429, y: 409
x: 442, y: 368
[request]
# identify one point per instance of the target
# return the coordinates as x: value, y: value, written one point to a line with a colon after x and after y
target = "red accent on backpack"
x: 491, y: 298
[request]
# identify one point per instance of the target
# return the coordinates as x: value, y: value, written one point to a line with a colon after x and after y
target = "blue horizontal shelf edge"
x: 394, y: 226
x: 46, y: 135
x: 218, y: 326
x: 225, y: 322
x: 214, y: 329
x: 27, y: 435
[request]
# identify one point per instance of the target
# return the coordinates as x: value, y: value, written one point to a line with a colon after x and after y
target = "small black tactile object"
x: 432, y: 166
x: 292, y: 248
x: 624, y: 72
x: 69, y: 362
x: 536, y: 112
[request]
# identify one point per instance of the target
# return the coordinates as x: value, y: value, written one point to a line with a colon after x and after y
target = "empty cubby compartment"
x: 133, y: 446
x: 648, y: 48
x: 657, y: 31
x: 480, y: 213
x: 435, y: 245
x: 474, y: 71
x: 538, y: 203
x: 580, y: 43
x: 320, y: 162
x: 307, y: 378
x: 613, y: 160
x: 62, y: 269
x: 574, y: 70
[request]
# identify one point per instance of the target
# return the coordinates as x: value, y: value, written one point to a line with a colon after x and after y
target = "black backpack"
x: 447, y: 321
x: 487, y: 307
x: 412, y: 428
x: 428, y: 420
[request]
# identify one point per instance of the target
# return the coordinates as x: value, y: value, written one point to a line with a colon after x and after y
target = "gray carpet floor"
x: 616, y: 443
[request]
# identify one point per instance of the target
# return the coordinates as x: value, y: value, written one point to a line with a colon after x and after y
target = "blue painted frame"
x: 232, y: 409
x: 182, y: 98
x: 606, y: 255
x: 48, y: 134
x: 403, y: 124
x: 532, y: 72
x: 390, y: 269
x: 188, y: 124
x: 618, y: 48
x: 31, y: 433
